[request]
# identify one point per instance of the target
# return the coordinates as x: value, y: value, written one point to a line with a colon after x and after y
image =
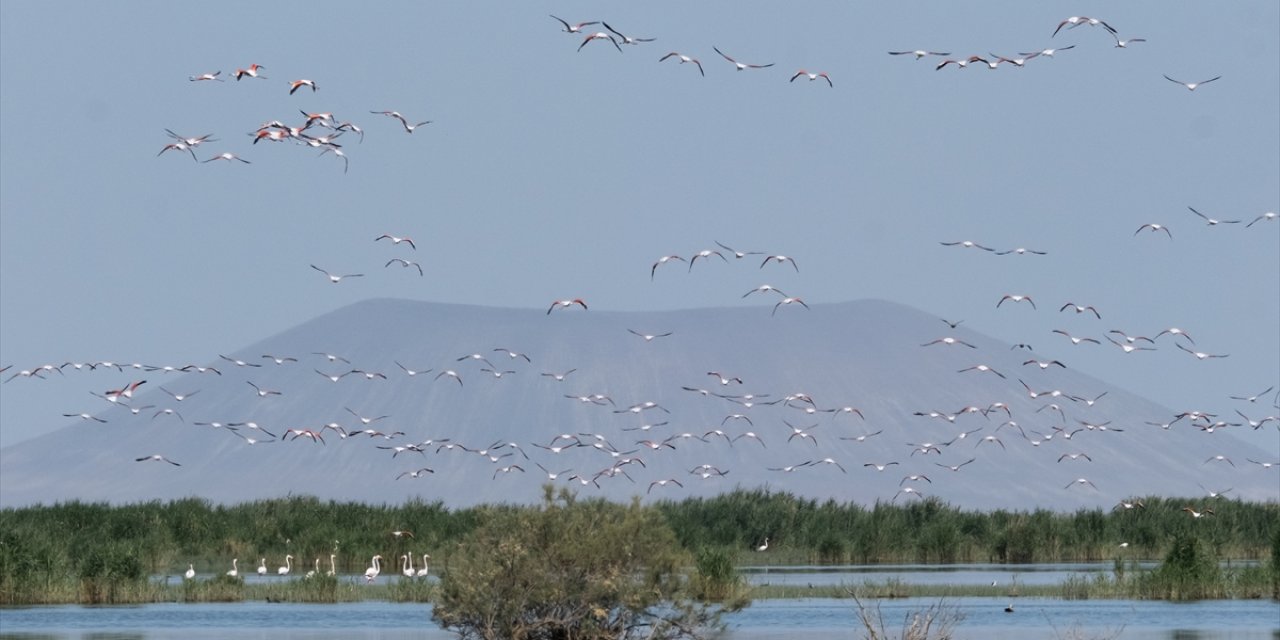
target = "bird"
x: 397, y: 240
x: 919, y: 53
x: 415, y: 474
x: 1220, y: 458
x: 663, y: 483
x: 765, y: 546
x: 683, y: 59
x: 262, y: 393
x: 1080, y: 309
x: 452, y: 374
x: 227, y: 155
x: 1268, y: 216
x: 981, y: 367
x: 1017, y: 298
x: 626, y: 39
x: 235, y: 568
x: 1175, y: 331
x: 741, y: 65
x: 403, y: 121
x: 1213, y: 221
x: 1200, y: 355
x: 1198, y: 514
x: 1076, y: 21
x: 1214, y: 494
x: 1081, y: 481
x: 206, y: 76
x: 1044, y: 365
x: 262, y: 567
x: 1253, y: 398
x: 648, y: 337
x: 780, y: 260
x: 1074, y: 456
x: 879, y: 467
x: 575, y: 28
x: 298, y: 84
x: 948, y: 341
x: 661, y: 261
x: 1154, y: 227
x: 788, y: 301
x: 85, y: 416
x: 812, y: 76
x: 191, y: 572
x: 1122, y: 44
x: 558, y: 377
x: 1191, y: 86
x: 513, y: 354
x: 251, y: 72
x: 179, y: 146
x: 1048, y: 53
x: 1022, y: 251
x: 406, y: 264
x: 564, y: 304
x: 954, y: 467
x: 157, y: 458
x: 1075, y: 340
x: 422, y: 573
x: 288, y: 566
x: 600, y: 35
x: 960, y: 64
x: 335, y: 279
x: 372, y: 572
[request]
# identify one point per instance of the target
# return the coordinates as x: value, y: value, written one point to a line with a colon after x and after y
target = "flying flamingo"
x: 576, y: 28
x: 812, y: 76
x: 251, y: 72
x: 335, y: 279
x: 1191, y: 86
x: 564, y: 304
x: 741, y: 65
x: 683, y: 59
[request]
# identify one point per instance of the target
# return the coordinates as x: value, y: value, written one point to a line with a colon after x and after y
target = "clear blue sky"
x: 552, y: 173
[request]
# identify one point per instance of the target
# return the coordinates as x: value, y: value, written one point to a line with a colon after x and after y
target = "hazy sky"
x: 552, y: 173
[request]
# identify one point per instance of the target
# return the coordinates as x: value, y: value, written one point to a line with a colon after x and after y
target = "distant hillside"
x: 866, y: 355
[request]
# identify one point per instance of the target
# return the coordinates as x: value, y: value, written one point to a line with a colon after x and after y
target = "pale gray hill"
x: 865, y: 354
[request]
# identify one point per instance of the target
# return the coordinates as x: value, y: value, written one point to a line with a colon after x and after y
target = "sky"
x: 549, y: 172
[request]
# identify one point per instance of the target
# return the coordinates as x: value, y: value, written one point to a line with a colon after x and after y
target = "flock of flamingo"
x: 620, y: 458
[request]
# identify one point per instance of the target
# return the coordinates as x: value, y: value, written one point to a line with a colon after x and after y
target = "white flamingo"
x: 191, y: 572
x: 262, y: 567
x: 332, y: 569
x: 288, y: 566
x: 407, y: 565
x: 374, y: 569
x: 235, y: 568
x: 422, y: 573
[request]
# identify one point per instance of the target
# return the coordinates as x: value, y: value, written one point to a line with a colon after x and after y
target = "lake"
x: 779, y: 619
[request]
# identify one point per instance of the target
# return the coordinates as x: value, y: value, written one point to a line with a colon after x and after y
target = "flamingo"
x: 407, y: 565
x: 207, y: 76
x: 397, y: 240
x: 600, y: 35
x: 312, y: 573
x: 262, y: 567
x: 228, y: 156
x: 765, y: 546
x: 626, y: 39
x: 812, y: 76
x: 683, y: 59
x: 1191, y: 86
x: 1153, y: 226
x: 335, y: 279
x: 374, y: 569
x: 422, y: 573
x: 740, y: 65
x: 298, y: 84
x: 235, y: 568
x: 564, y: 304
x: 288, y: 566
x: 788, y: 301
x: 919, y: 53
x: 574, y: 28
x: 191, y: 572
x: 252, y: 72
x: 333, y: 570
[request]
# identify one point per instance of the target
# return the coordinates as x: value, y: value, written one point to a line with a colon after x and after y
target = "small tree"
x: 580, y: 570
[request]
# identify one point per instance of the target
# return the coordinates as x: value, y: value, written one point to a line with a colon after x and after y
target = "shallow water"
x: 781, y: 619
x: 820, y: 619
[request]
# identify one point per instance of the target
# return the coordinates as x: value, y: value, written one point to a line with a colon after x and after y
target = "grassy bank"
x: 104, y: 554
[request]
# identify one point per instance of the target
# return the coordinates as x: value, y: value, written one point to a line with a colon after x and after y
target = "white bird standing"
x: 374, y: 569
x: 288, y: 566
x: 422, y: 573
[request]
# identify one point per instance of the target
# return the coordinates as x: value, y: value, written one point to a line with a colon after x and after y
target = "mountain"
x: 866, y: 355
